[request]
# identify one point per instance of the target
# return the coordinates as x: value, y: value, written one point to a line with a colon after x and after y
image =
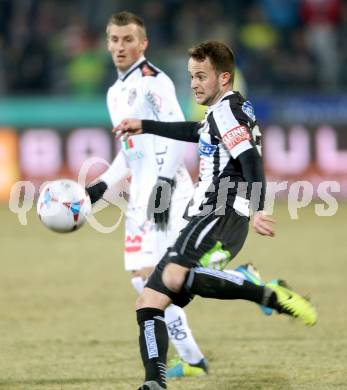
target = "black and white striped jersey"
x: 230, y: 154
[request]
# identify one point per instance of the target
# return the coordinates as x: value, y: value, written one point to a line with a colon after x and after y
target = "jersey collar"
x: 137, y: 64
x: 211, y: 108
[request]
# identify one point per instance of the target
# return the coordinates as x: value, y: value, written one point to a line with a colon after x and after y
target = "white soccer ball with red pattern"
x: 63, y: 205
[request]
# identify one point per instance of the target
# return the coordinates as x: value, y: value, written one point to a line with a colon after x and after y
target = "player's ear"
x: 225, y: 78
x: 108, y: 41
x: 145, y: 43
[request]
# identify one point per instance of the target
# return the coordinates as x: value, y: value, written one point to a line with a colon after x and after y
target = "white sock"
x: 138, y: 284
x: 181, y: 335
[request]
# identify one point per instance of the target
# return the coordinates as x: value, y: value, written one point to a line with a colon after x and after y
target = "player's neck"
x: 122, y: 73
x: 219, y: 98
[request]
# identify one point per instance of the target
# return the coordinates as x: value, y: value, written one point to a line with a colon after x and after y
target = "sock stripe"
x: 190, y: 280
x: 220, y: 275
x: 151, y: 342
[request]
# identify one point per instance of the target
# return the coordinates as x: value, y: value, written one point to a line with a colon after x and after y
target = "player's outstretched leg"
x: 221, y: 285
x: 218, y: 258
x: 206, y: 283
x: 190, y: 360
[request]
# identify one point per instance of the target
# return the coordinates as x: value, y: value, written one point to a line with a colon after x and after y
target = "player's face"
x: 206, y: 84
x: 126, y: 45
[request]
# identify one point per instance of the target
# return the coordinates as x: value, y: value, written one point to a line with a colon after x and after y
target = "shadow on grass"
x: 65, y: 381
x: 257, y: 381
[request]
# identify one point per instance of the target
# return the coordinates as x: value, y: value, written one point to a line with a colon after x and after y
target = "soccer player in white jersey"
x: 144, y: 91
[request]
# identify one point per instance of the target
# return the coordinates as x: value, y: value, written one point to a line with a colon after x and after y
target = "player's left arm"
x: 253, y: 172
x: 244, y: 146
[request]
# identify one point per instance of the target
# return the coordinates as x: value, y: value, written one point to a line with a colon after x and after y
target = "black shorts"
x: 199, y: 240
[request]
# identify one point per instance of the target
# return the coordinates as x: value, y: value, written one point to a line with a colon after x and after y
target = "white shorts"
x: 145, y: 246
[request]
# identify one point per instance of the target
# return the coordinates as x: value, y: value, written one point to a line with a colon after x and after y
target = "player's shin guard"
x: 153, y: 344
x: 181, y: 336
x: 210, y: 283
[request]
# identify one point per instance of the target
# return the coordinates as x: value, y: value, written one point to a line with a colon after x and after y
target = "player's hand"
x: 128, y: 127
x: 160, y: 201
x: 262, y: 224
x: 96, y: 191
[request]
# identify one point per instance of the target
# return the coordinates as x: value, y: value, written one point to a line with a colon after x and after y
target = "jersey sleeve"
x: 181, y: 131
x: 117, y: 171
x: 253, y: 172
x: 234, y: 134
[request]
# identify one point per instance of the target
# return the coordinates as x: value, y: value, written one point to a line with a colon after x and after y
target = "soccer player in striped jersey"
x: 231, y: 188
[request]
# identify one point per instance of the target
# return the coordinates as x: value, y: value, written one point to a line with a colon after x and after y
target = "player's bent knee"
x: 152, y: 298
x: 140, y: 302
x: 174, y: 276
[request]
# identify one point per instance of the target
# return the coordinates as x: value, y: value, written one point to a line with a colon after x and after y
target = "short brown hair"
x: 124, y: 18
x: 221, y: 56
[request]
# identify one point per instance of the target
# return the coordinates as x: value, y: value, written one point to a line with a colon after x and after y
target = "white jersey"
x: 145, y: 92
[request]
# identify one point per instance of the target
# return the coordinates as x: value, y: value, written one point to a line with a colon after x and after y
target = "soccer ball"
x: 63, y: 205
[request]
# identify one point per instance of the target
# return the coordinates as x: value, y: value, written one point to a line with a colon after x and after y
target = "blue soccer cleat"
x: 178, y: 368
x: 252, y: 275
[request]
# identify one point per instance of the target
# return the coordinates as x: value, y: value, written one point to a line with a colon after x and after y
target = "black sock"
x: 211, y: 283
x: 154, y: 343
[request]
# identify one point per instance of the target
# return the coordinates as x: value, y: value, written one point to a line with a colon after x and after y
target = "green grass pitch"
x: 67, y: 316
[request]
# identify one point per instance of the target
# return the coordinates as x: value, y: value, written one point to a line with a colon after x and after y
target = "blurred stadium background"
x: 66, y: 319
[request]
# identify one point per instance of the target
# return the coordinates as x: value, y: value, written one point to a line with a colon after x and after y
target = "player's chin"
x: 121, y: 65
x: 200, y: 99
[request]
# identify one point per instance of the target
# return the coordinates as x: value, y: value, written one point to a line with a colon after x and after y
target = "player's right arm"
x: 116, y: 172
x: 180, y: 131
